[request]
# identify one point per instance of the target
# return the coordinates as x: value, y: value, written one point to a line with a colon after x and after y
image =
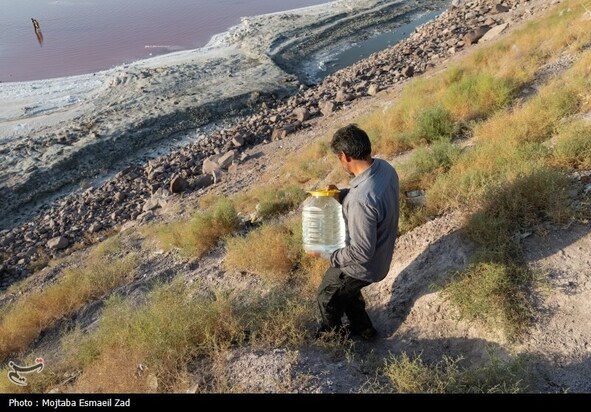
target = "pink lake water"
x: 84, y: 36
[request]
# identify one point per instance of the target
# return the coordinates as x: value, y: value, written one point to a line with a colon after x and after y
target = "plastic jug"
x: 323, y: 225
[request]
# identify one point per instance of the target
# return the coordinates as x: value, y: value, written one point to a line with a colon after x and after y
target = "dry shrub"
x: 37, y: 311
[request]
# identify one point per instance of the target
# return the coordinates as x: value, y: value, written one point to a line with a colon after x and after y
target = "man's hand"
x: 338, y: 196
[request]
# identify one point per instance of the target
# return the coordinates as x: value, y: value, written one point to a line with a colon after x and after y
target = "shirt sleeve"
x: 362, y: 225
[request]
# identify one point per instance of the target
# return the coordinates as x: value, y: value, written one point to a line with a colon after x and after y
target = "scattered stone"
x: 146, y: 216
x: 499, y: 8
x: 217, y: 176
x: 151, y: 204
x: 301, y: 114
x: 95, y: 227
x: 343, y: 96
x: 137, y: 187
x: 178, y: 184
x: 209, y: 165
x: 327, y: 108
x: 408, y: 71
x: 238, y: 140
x: 203, y: 181
x: 494, y: 32
x: 473, y: 36
x: 279, y: 133
x: 119, y: 197
x: 58, y: 243
x: 373, y: 89
x: 226, y: 160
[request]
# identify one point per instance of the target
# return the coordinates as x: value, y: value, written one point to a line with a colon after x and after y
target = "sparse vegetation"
x: 172, y: 327
x: 434, y: 124
x: 573, y: 146
x: 496, y: 294
x: 202, y: 232
x: 33, y: 313
x: 270, y: 202
x: 448, y: 376
x: 266, y: 251
x: 178, y: 325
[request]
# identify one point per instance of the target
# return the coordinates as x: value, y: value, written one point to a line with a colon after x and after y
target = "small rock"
x: 202, y: 181
x: 408, y: 71
x: 58, y: 243
x: 499, y: 8
x: 301, y: 113
x: 473, y: 36
x: 119, y: 197
x: 327, y: 108
x: 209, y: 165
x: 373, y: 89
x: 343, y: 96
x: 151, y: 204
x: 226, y: 160
x: 146, y: 216
x: 178, y: 184
x: 238, y: 140
x: 494, y: 32
x: 95, y: 227
x: 279, y: 133
x: 217, y: 176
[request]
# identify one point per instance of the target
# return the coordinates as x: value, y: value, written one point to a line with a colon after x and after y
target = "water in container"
x: 323, y: 225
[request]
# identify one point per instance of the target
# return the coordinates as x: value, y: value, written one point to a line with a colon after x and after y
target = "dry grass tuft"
x: 37, y: 311
x: 202, y: 232
x: 447, y: 376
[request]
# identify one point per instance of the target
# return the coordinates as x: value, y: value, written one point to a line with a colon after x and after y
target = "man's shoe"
x: 369, y: 334
x: 340, y: 333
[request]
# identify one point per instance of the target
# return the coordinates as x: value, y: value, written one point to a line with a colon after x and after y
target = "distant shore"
x: 56, y: 133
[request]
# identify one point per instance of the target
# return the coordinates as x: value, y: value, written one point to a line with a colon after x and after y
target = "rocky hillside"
x: 188, y: 291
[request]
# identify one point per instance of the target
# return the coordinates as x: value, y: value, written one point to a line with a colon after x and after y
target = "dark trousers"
x: 340, y: 294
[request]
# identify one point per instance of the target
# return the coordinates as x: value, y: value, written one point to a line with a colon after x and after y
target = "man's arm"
x: 362, y: 224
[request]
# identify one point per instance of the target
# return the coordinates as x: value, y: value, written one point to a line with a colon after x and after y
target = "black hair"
x: 352, y: 141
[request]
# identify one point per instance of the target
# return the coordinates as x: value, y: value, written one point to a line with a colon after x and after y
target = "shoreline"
x: 135, y: 193
x: 58, y: 132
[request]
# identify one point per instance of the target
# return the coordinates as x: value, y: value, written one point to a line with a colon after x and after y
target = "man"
x: 370, y: 210
x: 37, y: 29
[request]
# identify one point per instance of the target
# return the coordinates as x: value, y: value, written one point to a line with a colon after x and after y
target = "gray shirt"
x: 370, y: 209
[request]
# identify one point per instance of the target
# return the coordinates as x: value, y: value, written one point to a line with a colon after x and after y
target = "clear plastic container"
x: 323, y: 225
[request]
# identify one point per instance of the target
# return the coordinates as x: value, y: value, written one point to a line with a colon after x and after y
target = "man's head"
x: 352, y: 146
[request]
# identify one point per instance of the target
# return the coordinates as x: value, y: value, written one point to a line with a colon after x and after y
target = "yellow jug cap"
x: 324, y: 192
